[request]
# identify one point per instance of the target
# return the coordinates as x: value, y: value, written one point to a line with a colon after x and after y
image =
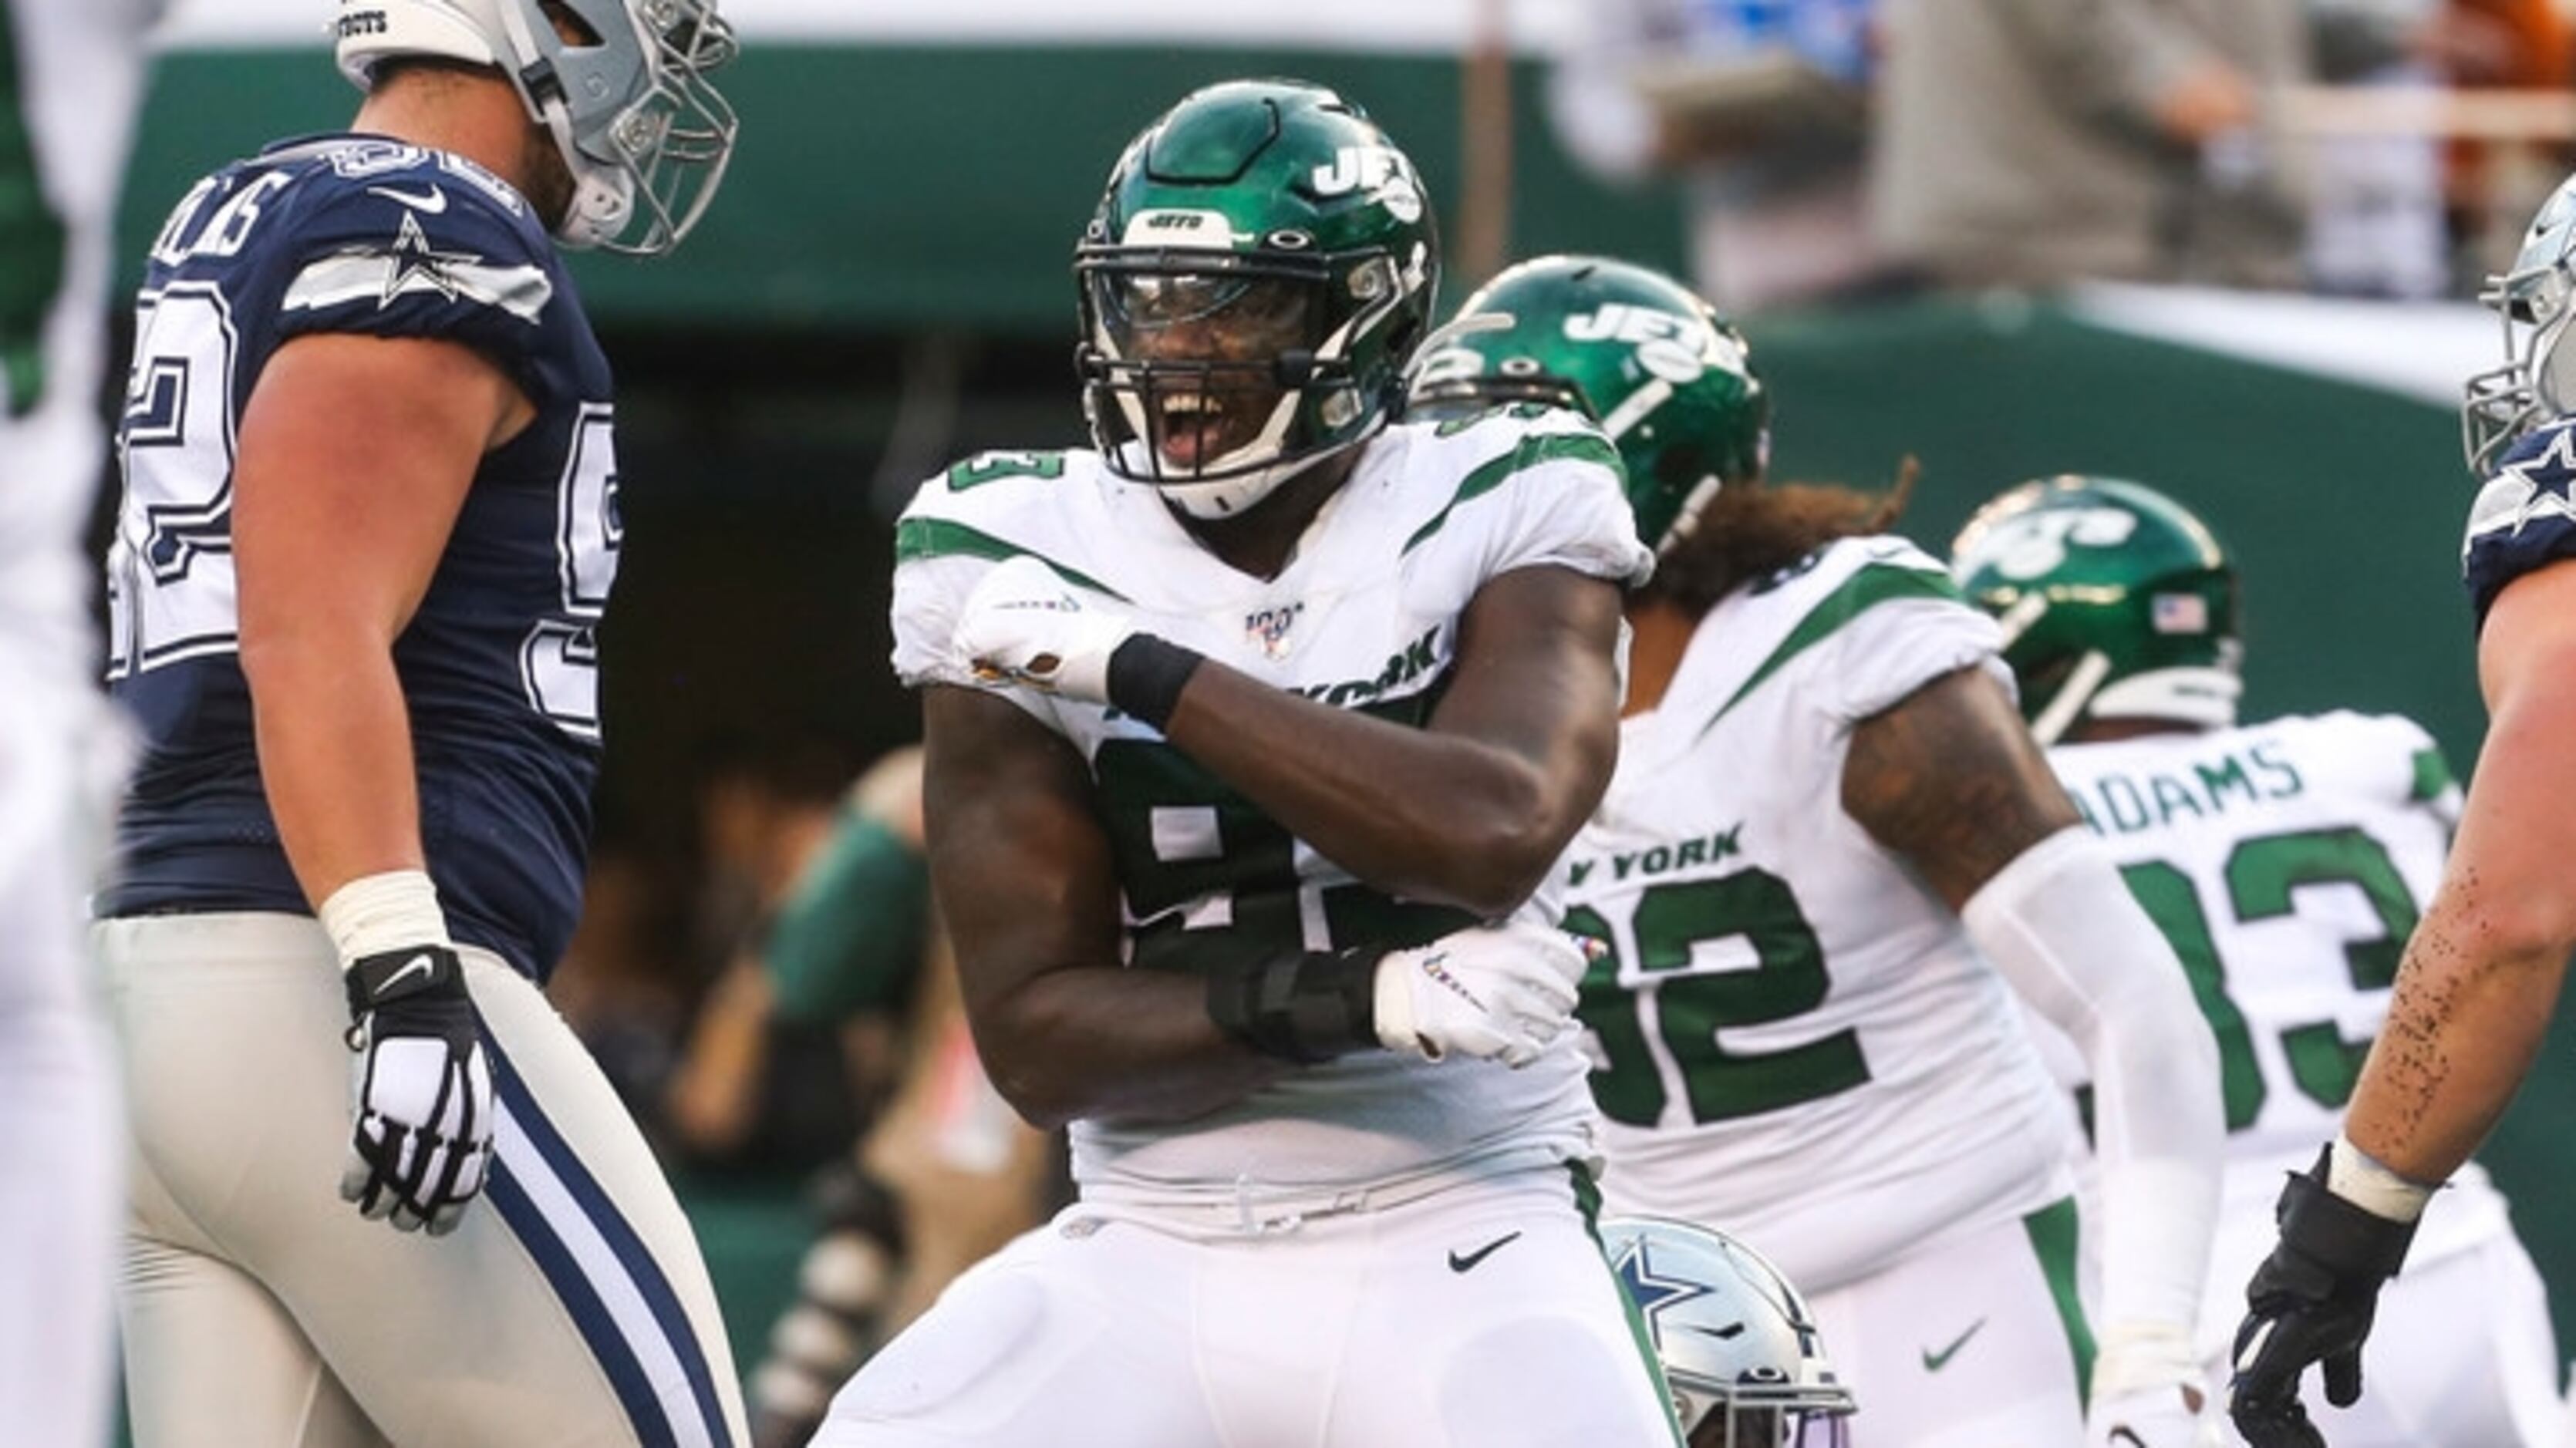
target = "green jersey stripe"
x: 1868, y: 587
x: 919, y: 538
x: 2432, y: 775
x: 2052, y: 1232
x: 31, y: 240
x: 1544, y: 448
x: 1587, y: 1200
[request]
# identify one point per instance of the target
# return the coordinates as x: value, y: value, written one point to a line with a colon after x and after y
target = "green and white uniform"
x: 2287, y: 862
x: 1794, y: 1040
x: 71, y: 74
x: 1364, y: 617
x: 1265, y: 1259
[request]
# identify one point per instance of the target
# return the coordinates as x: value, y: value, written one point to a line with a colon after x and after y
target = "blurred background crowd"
x: 2224, y: 246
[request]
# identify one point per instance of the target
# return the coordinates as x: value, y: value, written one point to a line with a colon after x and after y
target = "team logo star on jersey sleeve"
x: 2542, y: 485
x: 415, y: 266
x: 1651, y: 1293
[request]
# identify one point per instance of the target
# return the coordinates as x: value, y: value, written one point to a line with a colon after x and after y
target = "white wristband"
x: 376, y: 913
x: 2355, y: 1176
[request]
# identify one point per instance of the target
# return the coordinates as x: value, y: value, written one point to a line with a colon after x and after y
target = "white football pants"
x: 58, y: 1129
x: 1480, y: 1317
x: 1970, y: 1344
x: 570, y: 1307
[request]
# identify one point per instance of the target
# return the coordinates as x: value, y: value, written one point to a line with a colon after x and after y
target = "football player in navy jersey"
x: 369, y: 527
x: 2483, y: 969
x: 71, y: 72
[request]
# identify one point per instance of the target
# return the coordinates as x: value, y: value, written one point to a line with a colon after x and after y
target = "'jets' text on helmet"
x: 1262, y: 264
x: 631, y: 110
x: 1740, y: 1349
x: 2116, y: 603
x: 1662, y: 373
x: 2537, y: 299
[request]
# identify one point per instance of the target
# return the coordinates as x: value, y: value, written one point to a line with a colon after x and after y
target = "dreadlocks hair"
x: 1754, y: 529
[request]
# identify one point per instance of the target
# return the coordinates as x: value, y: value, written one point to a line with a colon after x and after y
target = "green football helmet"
x: 2116, y: 603
x: 1261, y: 267
x: 1664, y: 375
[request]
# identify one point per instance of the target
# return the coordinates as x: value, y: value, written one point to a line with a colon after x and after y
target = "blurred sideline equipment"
x: 1818, y: 952
x: 2286, y: 861
x: 368, y: 532
x: 1744, y: 1357
x: 949, y: 1173
x: 2482, y: 969
x: 71, y: 75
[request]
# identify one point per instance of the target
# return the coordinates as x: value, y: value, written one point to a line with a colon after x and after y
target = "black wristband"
x: 1304, y: 1008
x: 2348, y: 1240
x: 1146, y: 675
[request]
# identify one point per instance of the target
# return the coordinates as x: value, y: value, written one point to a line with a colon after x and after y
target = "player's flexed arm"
x: 355, y: 455
x: 1024, y: 871
x: 1468, y: 812
x: 1951, y: 780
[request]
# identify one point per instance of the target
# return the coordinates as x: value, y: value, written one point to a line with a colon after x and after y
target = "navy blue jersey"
x: 499, y: 666
x: 2524, y: 517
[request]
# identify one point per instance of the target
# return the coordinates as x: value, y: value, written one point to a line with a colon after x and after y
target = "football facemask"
x: 1260, y: 268
x: 2537, y: 380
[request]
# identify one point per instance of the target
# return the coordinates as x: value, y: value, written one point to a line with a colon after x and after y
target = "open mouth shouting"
x: 1196, y: 426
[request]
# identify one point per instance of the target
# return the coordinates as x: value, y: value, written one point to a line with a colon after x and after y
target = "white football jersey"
x: 79, y: 68
x: 1793, y: 1039
x: 1365, y: 616
x: 2287, y: 863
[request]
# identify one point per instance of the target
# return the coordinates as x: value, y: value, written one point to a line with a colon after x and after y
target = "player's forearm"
x: 335, y: 755
x: 1418, y: 813
x: 1114, y: 1044
x: 2465, y: 1022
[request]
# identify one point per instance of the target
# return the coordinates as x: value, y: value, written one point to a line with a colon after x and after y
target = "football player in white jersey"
x: 2481, y: 973
x: 1830, y: 856
x: 1245, y: 732
x: 71, y: 75
x: 2286, y: 861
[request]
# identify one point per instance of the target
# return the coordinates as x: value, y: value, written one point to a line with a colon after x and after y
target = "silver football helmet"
x: 2538, y: 379
x: 645, y: 133
x: 1740, y: 1350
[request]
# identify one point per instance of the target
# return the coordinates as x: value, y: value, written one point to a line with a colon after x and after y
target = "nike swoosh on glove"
x: 1023, y: 624
x: 1499, y: 992
x: 2311, y: 1301
x: 421, y: 1131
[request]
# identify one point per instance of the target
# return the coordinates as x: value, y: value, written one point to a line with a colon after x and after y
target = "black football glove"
x: 421, y: 1137
x: 2310, y: 1302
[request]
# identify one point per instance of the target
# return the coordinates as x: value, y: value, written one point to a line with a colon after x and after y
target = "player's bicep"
x: 1018, y: 861
x: 1537, y: 674
x: 1950, y: 779
x: 354, y: 457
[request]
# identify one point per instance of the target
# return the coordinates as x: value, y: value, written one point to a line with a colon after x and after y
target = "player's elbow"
x: 1488, y: 856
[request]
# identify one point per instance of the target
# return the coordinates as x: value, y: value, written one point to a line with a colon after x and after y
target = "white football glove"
x: 2148, y: 1392
x: 1499, y: 992
x: 421, y: 1137
x: 1024, y: 624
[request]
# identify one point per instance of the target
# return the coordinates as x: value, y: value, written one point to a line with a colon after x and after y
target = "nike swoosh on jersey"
x: 428, y: 199
x: 1934, y: 1362
x: 1468, y: 1262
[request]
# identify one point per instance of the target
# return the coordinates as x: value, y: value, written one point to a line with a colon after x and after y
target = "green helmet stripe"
x: 1868, y: 587
x: 916, y: 539
x: 1532, y: 452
